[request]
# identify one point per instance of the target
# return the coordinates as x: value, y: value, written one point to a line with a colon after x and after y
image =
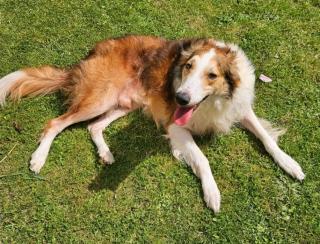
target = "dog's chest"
x: 211, y: 116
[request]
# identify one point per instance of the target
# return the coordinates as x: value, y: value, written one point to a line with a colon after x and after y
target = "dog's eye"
x: 188, y: 66
x: 212, y: 76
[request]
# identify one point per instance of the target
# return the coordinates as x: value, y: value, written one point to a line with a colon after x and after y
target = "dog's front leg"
x: 288, y: 164
x: 183, y: 144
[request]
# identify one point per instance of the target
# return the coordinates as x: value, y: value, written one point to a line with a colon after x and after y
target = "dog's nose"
x: 182, y: 98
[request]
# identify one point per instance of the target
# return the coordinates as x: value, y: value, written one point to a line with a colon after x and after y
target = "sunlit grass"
x: 146, y: 195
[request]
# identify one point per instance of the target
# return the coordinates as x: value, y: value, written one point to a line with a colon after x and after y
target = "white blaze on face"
x: 193, y: 83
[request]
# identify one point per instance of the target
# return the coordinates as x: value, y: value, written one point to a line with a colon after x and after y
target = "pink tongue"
x: 182, y: 115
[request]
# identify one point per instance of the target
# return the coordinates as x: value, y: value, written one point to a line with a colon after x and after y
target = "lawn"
x: 146, y: 195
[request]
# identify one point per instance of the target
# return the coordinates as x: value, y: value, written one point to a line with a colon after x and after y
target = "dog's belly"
x: 131, y: 96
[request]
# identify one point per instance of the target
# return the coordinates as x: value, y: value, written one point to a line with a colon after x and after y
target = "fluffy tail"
x: 32, y: 82
x: 274, y: 132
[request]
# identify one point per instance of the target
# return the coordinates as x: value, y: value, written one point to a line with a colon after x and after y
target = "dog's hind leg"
x: 96, y: 130
x: 288, y: 164
x: 89, y: 108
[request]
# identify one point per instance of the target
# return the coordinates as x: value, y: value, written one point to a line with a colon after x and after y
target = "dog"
x: 189, y: 87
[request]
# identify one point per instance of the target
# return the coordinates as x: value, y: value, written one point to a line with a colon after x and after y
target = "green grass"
x: 146, y: 196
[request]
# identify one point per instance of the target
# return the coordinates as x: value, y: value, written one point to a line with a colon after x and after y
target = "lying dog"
x: 189, y: 87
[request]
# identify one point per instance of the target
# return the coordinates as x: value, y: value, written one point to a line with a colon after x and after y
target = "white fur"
x: 57, y: 125
x: 218, y: 114
x: 39, y: 156
x: 184, y: 148
x: 193, y: 84
x: 96, y: 128
x: 7, y: 82
x: 251, y: 122
x: 274, y: 132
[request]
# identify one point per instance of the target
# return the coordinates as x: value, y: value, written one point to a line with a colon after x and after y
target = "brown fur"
x: 227, y: 67
x: 126, y: 73
x: 226, y: 72
x: 123, y: 74
x: 39, y: 81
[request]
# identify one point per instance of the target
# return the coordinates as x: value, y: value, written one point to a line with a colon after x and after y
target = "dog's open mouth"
x: 183, y: 114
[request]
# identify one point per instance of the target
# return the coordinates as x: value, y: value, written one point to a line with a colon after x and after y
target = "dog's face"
x: 205, y: 70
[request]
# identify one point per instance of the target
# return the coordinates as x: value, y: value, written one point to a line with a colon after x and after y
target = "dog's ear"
x: 186, y: 49
x: 228, y: 67
x: 186, y: 44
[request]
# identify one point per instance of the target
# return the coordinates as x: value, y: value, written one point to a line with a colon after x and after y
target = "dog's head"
x: 204, y: 69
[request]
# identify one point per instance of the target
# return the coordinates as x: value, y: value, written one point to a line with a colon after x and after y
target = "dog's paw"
x: 211, y: 195
x: 177, y: 154
x: 291, y: 166
x: 107, y: 157
x: 36, y: 163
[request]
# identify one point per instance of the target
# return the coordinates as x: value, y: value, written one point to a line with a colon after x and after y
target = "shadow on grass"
x: 254, y: 142
x: 140, y: 139
x: 131, y: 145
x: 258, y: 146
